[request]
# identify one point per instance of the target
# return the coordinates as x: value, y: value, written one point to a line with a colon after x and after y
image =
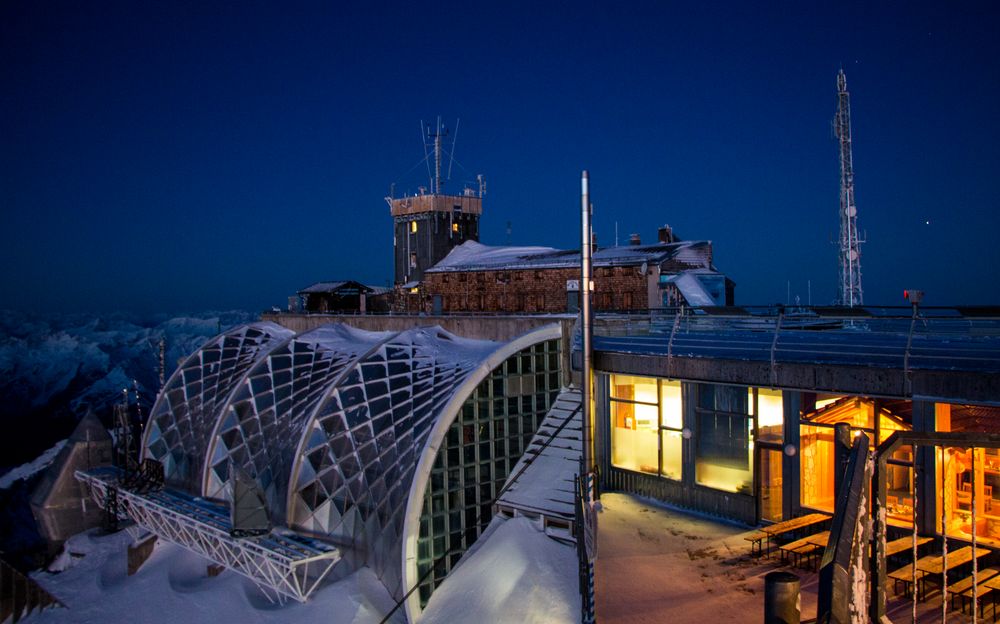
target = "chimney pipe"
x: 665, y: 234
x: 634, y: 240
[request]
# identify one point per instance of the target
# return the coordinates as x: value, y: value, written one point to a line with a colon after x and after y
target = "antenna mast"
x: 439, y: 133
x: 850, y: 242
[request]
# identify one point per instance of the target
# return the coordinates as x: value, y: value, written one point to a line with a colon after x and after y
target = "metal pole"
x: 975, y: 565
x: 585, y: 321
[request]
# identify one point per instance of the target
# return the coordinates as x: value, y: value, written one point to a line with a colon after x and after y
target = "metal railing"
x: 965, y: 339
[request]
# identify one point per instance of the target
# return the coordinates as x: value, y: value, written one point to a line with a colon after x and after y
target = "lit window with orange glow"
x: 454, y: 227
x: 646, y: 424
x: 413, y: 227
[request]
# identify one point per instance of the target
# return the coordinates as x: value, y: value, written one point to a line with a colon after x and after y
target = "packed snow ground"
x: 173, y: 587
x: 657, y: 564
x: 515, y: 574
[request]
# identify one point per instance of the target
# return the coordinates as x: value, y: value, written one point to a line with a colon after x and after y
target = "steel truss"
x: 286, y: 564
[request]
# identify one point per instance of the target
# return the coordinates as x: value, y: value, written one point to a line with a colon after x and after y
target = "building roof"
x: 89, y: 429
x: 334, y: 287
x: 546, y: 484
x: 474, y: 256
x: 940, y: 355
x: 694, y: 292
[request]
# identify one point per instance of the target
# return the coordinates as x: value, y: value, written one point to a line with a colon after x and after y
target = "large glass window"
x: 768, y: 407
x: 968, y: 478
x: 723, y: 453
x: 635, y: 422
x: 646, y: 425
x: 671, y: 427
x: 865, y: 417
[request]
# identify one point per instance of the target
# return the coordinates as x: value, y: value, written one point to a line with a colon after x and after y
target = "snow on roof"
x: 26, y: 471
x: 329, y: 287
x: 546, y: 485
x: 515, y: 574
x: 693, y: 290
x: 474, y: 256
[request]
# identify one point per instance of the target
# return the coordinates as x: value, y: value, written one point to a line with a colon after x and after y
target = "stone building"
x: 539, y: 280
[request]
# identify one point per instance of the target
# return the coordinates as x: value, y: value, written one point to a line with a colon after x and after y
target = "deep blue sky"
x: 171, y: 156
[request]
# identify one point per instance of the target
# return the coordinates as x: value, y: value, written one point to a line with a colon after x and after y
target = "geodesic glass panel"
x: 185, y: 413
x: 361, y: 448
x: 267, y: 415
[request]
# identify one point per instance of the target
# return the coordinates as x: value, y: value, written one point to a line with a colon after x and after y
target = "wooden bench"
x: 962, y: 590
x: 804, y: 547
x: 757, y: 541
x: 904, y: 575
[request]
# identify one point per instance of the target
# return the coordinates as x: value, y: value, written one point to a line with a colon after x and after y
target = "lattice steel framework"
x: 356, y: 462
x: 850, y: 242
x: 185, y: 414
x: 290, y: 565
x: 263, y: 423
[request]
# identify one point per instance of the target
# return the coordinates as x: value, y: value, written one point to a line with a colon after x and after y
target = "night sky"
x: 166, y: 156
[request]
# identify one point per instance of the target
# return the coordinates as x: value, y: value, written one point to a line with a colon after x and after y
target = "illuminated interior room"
x: 816, y: 462
x: 967, y: 478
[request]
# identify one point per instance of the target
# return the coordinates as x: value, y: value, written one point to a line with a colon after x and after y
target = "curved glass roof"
x: 339, y: 426
x: 353, y: 474
x: 184, y: 416
x: 262, y: 424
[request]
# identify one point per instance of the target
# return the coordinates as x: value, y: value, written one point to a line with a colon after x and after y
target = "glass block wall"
x: 484, y: 443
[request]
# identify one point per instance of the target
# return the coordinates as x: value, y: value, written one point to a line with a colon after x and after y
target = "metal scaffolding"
x: 288, y: 564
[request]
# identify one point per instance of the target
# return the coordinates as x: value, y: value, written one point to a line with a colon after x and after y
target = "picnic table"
x: 794, y: 524
x: 965, y: 589
x: 934, y: 564
x: 786, y: 526
x: 904, y: 544
x: 805, y: 547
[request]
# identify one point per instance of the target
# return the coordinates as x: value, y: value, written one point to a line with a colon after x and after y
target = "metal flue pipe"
x: 585, y: 320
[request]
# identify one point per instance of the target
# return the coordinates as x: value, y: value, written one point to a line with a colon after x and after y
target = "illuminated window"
x: 968, y: 478
x: 413, y: 226
x: 413, y: 260
x: 768, y: 407
x: 723, y: 453
x: 671, y: 425
x: 454, y: 227
x: 770, y: 415
x: 816, y: 453
x: 646, y: 419
x: 635, y: 423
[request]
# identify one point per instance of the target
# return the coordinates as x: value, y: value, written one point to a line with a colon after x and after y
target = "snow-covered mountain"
x: 53, y: 368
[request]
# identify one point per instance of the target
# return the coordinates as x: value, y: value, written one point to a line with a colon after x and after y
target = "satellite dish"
x: 643, y: 268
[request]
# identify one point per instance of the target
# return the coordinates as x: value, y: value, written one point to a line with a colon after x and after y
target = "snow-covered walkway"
x: 657, y: 564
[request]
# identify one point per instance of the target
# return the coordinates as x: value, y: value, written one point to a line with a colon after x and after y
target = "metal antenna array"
x: 437, y: 134
x: 850, y: 242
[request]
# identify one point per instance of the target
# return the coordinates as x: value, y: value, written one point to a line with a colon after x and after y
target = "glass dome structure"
x: 341, y: 428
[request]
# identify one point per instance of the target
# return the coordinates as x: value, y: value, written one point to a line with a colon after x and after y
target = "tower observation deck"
x: 427, y: 226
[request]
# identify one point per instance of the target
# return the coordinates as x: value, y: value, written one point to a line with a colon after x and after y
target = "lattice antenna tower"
x: 850, y: 242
